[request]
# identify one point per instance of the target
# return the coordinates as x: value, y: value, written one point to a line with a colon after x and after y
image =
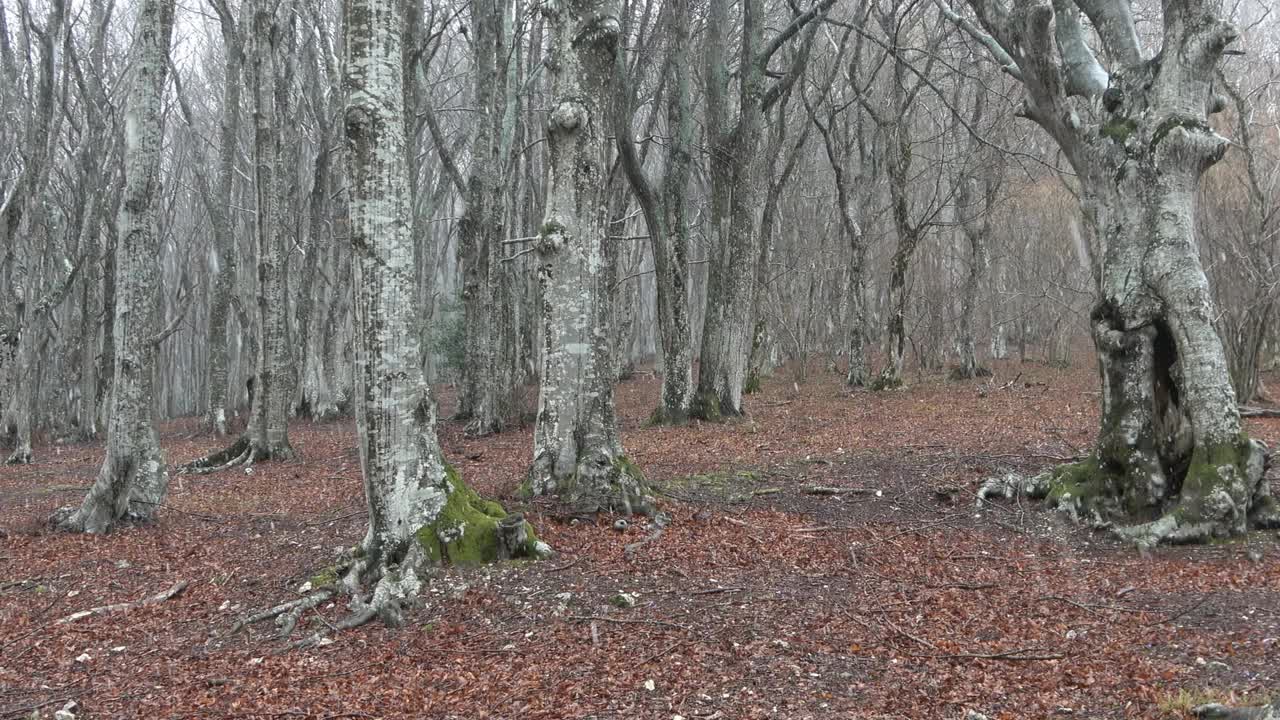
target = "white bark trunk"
x: 420, y: 513
x: 268, y: 418
x: 133, y: 480
x: 577, y: 451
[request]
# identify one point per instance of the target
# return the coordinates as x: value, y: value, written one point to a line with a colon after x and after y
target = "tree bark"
x: 665, y: 213
x: 577, y: 451
x: 223, y: 234
x: 420, y: 513
x: 1171, y: 450
x: 133, y: 480
x: 272, y: 388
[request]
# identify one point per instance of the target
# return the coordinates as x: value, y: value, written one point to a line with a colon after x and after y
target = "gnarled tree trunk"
x: 1171, y: 450
x: 577, y: 451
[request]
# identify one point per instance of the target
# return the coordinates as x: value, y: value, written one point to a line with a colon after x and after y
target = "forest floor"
x: 898, y: 598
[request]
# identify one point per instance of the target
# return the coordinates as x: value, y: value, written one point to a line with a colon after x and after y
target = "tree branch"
x: 1113, y: 19
x: 446, y: 157
x: 1083, y: 74
x: 762, y: 60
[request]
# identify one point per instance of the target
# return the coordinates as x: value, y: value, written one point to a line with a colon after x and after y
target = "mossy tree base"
x: 968, y: 373
x: 596, y: 485
x: 1222, y: 493
x: 471, y: 531
x: 664, y: 416
x: 467, y: 531
x: 887, y: 380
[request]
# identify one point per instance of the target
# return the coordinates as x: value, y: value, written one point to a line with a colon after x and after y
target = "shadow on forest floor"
x: 825, y: 559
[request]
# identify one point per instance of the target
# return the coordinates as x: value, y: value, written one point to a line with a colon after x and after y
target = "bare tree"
x: 1137, y: 135
x: 133, y: 480
x: 665, y: 211
x: 577, y: 451
x: 734, y: 140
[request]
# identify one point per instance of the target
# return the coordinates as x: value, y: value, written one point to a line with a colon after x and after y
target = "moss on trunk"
x: 469, y: 530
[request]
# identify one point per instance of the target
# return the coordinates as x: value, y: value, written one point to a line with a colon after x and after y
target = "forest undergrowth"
x: 825, y: 558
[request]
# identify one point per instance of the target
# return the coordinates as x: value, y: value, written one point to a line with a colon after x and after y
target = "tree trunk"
x: 577, y: 452
x: 269, y: 413
x: 481, y: 399
x: 133, y: 480
x: 223, y: 234
x: 665, y: 212
x: 1171, y: 449
x: 420, y: 513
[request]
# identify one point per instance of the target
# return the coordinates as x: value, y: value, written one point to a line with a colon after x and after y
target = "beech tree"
x: 420, y: 512
x: 272, y: 384
x: 734, y: 140
x: 665, y: 209
x: 133, y: 480
x: 1171, y: 453
x: 577, y: 452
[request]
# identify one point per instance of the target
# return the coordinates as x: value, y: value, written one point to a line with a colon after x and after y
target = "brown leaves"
x: 874, y: 600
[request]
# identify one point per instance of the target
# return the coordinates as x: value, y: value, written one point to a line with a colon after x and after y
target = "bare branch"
x: 993, y: 46
x: 1113, y: 19
x: 1082, y: 73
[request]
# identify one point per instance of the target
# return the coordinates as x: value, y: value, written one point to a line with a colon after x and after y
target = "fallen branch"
x: 1247, y: 411
x: 1010, y: 656
x: 623, y: 621
x: 823, y: 490
x: 120, y: 607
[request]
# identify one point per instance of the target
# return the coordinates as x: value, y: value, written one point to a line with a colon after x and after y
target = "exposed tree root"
x: 225, y: 459
x: 660, y: 522
x: 21, y: 455
x: 1215, y: 711
x: 283, y: 611
x: 1222, y: 493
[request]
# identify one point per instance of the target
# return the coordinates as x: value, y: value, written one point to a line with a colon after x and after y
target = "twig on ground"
x: 625, y: 621
x: 1182, y: 612
x: 713, y: 591
x: 823, y: 490
x: 1010, y: 656
x: 660, y: 526
x: 156, y: 599
x: 1090, y: 607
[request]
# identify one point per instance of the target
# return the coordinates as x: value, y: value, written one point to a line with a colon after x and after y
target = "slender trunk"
x: 133, y: 480
x: 269, y: 413
x: 223, y: 233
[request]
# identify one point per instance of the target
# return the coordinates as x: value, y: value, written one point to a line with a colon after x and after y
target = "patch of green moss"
x: 1180, y: 703
x: 624, y: 466
x: 662, y: 416
x: 1118, y: 129
x: 753, y: 384
x: 551, y: 227
x: 886, y: 382
x: 466, y: 531
x: 1205, y: 480
x: 325, y: 578
x: 1081, y: 481
x: 1176, y: 121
